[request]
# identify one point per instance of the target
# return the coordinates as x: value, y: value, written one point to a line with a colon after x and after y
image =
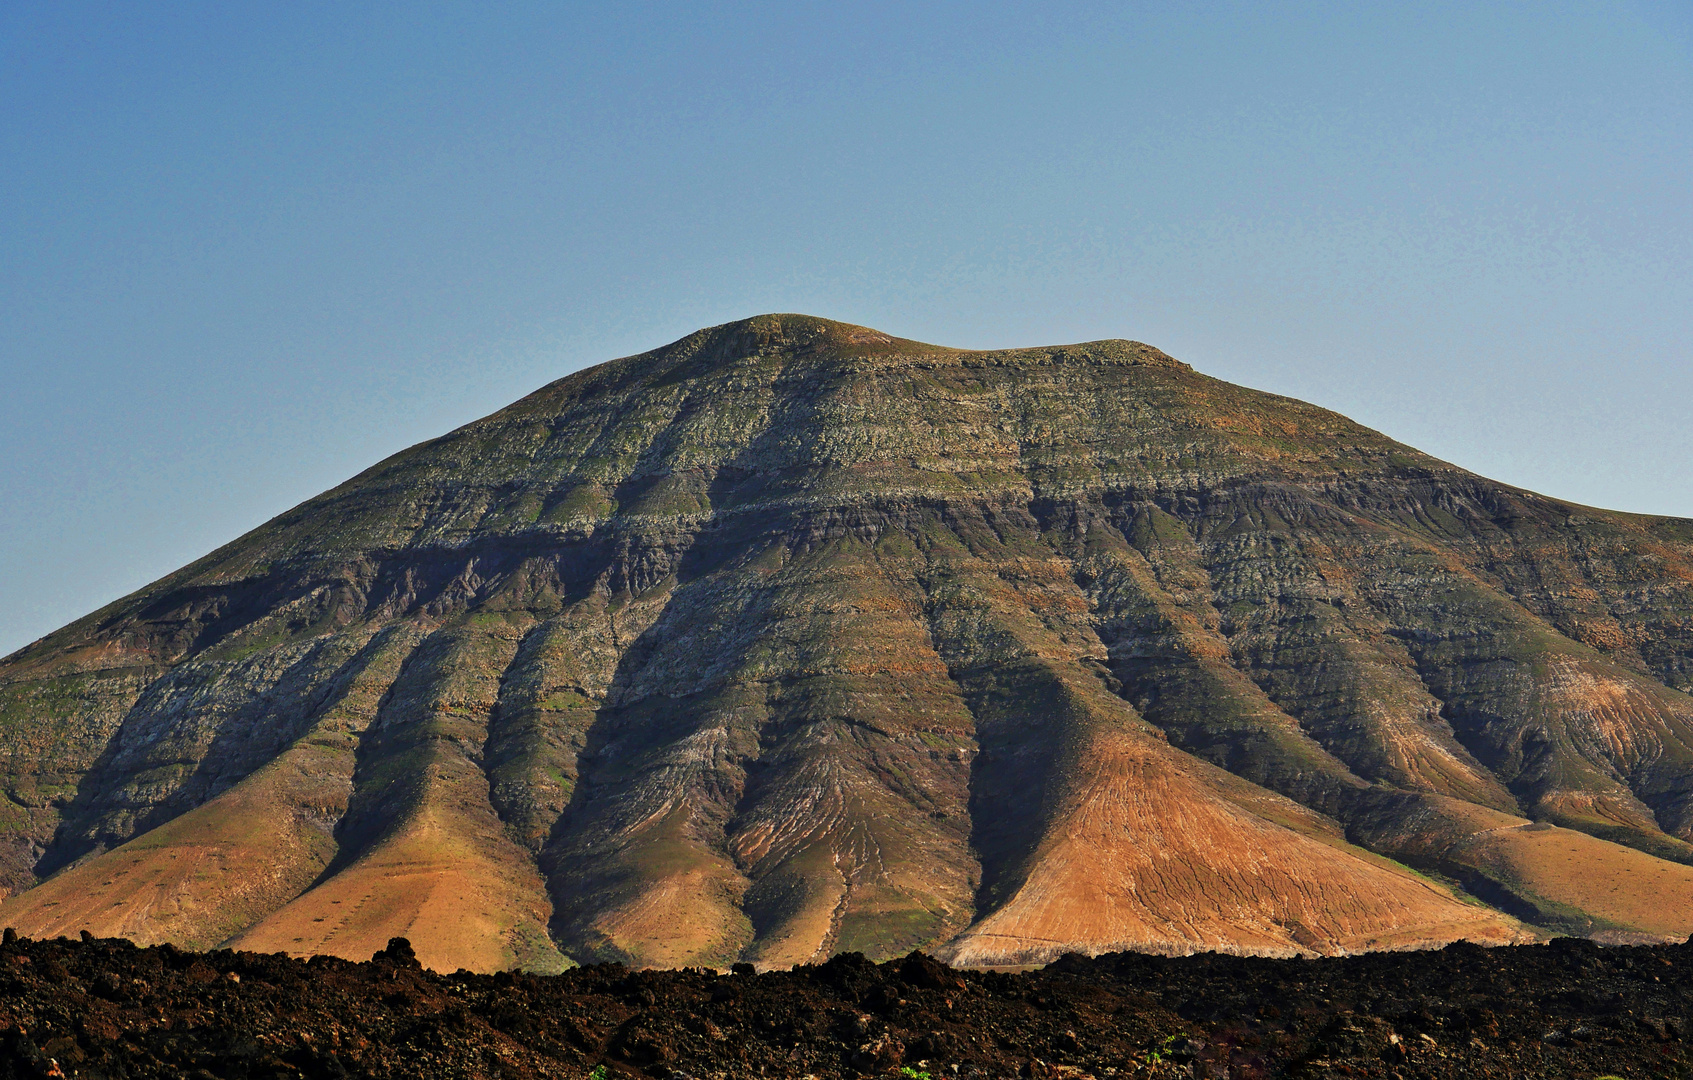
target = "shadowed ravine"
x: 792, y: 638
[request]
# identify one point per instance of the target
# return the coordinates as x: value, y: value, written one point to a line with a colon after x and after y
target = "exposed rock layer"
x: 793, y: 638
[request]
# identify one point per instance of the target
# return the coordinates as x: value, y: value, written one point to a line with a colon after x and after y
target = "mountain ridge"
x: 794, y: 637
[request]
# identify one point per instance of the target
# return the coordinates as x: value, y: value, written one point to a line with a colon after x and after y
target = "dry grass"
x: 1145, y: 855
x: 459, y: 907
x: 1568, y: 870
x: 197, y: 879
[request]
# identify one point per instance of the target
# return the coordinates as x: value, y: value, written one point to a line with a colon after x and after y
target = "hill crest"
x: 792, y: 637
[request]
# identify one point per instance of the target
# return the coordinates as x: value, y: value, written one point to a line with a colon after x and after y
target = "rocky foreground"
x: 105, y: 1008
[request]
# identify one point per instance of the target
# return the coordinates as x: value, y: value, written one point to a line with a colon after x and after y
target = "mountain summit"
x: 794, y: 638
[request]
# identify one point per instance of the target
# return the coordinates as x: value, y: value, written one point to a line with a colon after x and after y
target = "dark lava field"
x: 105, y: 1008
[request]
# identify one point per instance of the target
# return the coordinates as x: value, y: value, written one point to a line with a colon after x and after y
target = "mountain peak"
x: 792, y: 637
x: 782, y: 332
x: 808, y: 337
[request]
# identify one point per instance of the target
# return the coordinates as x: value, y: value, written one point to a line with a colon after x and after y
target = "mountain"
x: 794, y: 638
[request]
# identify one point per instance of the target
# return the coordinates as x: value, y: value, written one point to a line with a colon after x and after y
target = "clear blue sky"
x: 248, y: 249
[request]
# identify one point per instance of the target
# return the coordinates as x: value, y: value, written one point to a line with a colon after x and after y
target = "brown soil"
x: 105, y: 1008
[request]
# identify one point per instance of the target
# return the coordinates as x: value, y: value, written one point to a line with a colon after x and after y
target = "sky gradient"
x: 247, y: 250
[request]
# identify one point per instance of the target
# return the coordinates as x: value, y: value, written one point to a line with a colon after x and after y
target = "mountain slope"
x: 793, y: 638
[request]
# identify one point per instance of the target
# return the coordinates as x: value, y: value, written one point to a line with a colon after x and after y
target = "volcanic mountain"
x: 793, y: 638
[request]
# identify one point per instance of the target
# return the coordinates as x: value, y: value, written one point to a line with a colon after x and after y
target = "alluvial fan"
x: 793, y: 638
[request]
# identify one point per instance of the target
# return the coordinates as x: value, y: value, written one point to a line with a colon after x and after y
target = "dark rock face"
x: 792, y: 638
x: 100, y: 1008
